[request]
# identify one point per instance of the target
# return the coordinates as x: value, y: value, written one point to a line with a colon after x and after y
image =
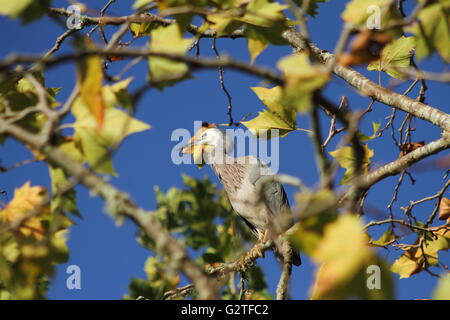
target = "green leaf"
x: 395, y: 55
x: 302, y: 79
x: 442, y: 291
x: 263, y: 13
x: 385, y: 239
x: 363, y: 138
x: 315, y: 210
x: 313, y: 6
x: 96, y: 143
x: 258, y: 38
x: 357, y: 11
x: 27, y: 10
x: 346, y: 158
x: 275, y: 117
x: 142, y: 29
x: 140, y: 3
x: 432, y: 32
x: 170, y: 40
x: 91, y: 92
x: 341, y: 254
x: 413, y: 260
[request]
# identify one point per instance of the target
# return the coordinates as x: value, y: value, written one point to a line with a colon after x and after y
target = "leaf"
x: 276, y: 117
x: 140, y: 3
x: 315, y: 210
x: 27, y: 208
x: 142, y: 29
x: 432, y: 32
x: 444, y: 209
x: 341, y: 254
x: 363, y: 138
x: 312, y: 7
x: 27, y: 10
x: 258, y: 38
x: 13, y: 8
x: 410, y: 147
x: 414, y: 260
x: 346, y: 158
x: 302, y: 79
x: 395, y: 55
x: 263, y: 13
x: 170, y: 40
x: 358, y: 12
x: 95, y: 144
x: 442, y: 290
x: 91, y: 81
x: 385, y: 239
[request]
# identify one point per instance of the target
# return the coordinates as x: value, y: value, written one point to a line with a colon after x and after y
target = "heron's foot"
x: 248, y: 260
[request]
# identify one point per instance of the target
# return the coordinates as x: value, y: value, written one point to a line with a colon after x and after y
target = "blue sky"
x: 109, y: 255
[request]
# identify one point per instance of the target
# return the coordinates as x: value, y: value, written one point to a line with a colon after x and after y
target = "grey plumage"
x: 244, y: 179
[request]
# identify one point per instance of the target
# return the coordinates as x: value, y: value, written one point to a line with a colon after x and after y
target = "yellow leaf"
x: 168, y: 40
x: 433, y: 31
x: 360, y: 11
x: 13, y: 8
x: 342, y: 253
x: 302, y: 79
x: 442, y: 291
x: 414, y: 260
x: 91, y: 92
x: 396, y: 54
x: 95, y: 144
x: 27, y: 208
x: 346, y: 158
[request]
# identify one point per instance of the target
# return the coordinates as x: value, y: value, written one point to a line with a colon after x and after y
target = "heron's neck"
x: 218, y: 156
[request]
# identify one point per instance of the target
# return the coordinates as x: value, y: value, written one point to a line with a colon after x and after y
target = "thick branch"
x: 409, y: 159
x: 371, y: 89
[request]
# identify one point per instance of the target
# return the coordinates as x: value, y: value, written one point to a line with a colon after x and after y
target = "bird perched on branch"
x: 252, y: 189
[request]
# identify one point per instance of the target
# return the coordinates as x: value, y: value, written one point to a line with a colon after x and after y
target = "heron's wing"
x: 274, y: 194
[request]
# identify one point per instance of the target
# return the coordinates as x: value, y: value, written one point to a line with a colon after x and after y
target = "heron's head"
x: 207, y: 143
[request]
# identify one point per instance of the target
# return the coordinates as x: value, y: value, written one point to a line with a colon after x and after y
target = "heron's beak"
x: 193, y: 146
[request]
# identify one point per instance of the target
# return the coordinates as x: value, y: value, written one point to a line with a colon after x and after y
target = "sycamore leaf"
x: 276, y: 117
x: 91, y: 92
x: 27, y: 208
x: 444, y: 209
x: 395, y: 55
x: 258, y: 38
x: 13, y: 8
x: 95, y: 144
x: 363, y: 138
x: 142, y: 29
x: 223, y: 23
x: 27, y: 10
x: 442, y: 290
x: 385, y: 239
x: 315, y: 211
x: 341, y: 254
x: 169, y: 39
x: 362, y: 12
x: 413, y: 260
x: 140, y: 3
x: 302, y: 79
x: 432, y: 32
x: 313, y: 6
x: 263, y: 13
x: 346, y: 158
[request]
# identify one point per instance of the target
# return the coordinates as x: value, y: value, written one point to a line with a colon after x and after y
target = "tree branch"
x: 371, y: 89
x: 120, y: 205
